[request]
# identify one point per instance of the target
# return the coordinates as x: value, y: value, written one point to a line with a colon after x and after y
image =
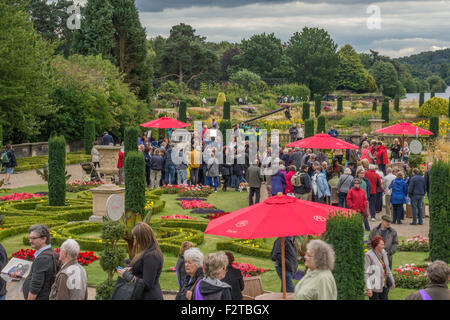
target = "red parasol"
x: 277, y: 216
x: 322, y: 141
x: 165, y: 123
x: 404, y: 128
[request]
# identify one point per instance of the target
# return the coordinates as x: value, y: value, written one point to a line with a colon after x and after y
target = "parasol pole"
x: 283, y: 267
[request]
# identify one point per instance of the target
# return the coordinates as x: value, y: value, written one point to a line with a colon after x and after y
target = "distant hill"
x: 429, y: 63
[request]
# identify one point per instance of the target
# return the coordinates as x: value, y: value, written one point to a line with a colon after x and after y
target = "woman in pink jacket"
x: 365, y: 151
x: 289, y: 190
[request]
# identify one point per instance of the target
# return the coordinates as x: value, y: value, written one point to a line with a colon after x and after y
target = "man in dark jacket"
x: 38, y: 284
x: 333, y: 132
x: 290, y: 259
x: 293, y: 132
x: 3, y: 263
x: 9, y: 162
x: 389, y: 235
x: 254, y: 179
x: 169, y: 169
x: 416, y: 191
x: 296, y: 158
x: 302, y: 191
x: 156, y: 166
x: 107, y: 139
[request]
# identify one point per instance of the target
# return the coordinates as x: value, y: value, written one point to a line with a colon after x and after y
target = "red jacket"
x: 356, y: 199
x: 372, y: 176
x: 289, y: 188
x: 381, y: 150
x: 120, y: 161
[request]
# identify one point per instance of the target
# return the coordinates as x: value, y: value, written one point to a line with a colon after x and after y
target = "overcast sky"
x: 403, y: 27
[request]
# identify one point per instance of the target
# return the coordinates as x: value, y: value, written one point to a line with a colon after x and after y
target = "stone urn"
x: 375, y: 124
x: 108, y: 157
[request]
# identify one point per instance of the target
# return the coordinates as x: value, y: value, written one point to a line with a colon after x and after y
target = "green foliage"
x: 130, y: 140
x: 351, y: 73
x: 437, y: 84
x: 346, y: 234
x: 134, y: 166
x: 374, y: 106
x: 1, y: 135
x: 309, y: 128
x: 397, y: 103
x: 25, y: 77
x: 386, y: 77
x: 385, y: 111
x: 244, y: 78
x: 223, y: 126
x: 439, y: 233
x: 57, y: 171
x: 433, y: 107
x: 340, y: 106
x: 421, y: 98
x: 220, y: 99
x: 104, y: 291
x: 306, y: 109
x: 182, y: 111
x: 415, y: 160
x: 321, y: 124
x: 409, y: 281
x: 448, y: 110
x: 314, y: 58
x: 317, y: 105
x: 434, y: 126
x: 292, y: 90
x: 432, y: 94
x: 226, y: 110
x: 89, y: 135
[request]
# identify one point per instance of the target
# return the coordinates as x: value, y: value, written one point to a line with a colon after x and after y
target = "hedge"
x: 57, y: 170
x: 434, y: 126
x: 226, y: 111
x: 346, y: 234
x: 130, y: 140
x: 321, y: 124
x: 385, y: 111
x: 135, y: 185
x: 182, y: 111
x: 89, y: 135
x: 317, y: 105
x: 38, y: 162
x: 309, y: 128
x: 306, y: 111
x: 339, y: 104
x: 244, y: 247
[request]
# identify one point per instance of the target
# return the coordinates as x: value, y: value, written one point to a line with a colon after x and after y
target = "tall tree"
x: 314, y: 57
x: 227, y: 60
x: 351, y: 71
x: 25, y: 77
x: 185, y: 56
x: 386, y: 77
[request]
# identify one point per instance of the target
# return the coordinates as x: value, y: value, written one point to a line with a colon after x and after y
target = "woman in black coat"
x: 147, y: 263
x: 234, y: 278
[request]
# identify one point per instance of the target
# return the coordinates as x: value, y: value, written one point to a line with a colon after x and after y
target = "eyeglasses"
x: 33, y: 238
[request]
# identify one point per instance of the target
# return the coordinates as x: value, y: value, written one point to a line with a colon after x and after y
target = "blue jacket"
x: 278, y: 182
x: 322, y: 185
x: 156, y: 163
x: 399, y: 191
x: 417, y: 186
x: 334, y: 133
x: 168, y: 158
x: 107, y: 139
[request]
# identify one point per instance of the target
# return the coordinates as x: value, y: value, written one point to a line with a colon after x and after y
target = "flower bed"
x: 207, y: 210
x: 416, y: 243
x: 178, y: 216
x: 248, y: 270
x: 410, y: 277
x: 78, y: 185
x: 254, y: 247
x: 84, y: 258
x: 216, y: 215
x: 194, y: 204
x: 22, y: 196
x: 187, y: 191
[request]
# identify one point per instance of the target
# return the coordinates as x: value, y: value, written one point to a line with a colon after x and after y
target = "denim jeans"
x: 169, y: 175
x: 182, y: 176
x: 342, y: 200
x: 417, y: 204
x: 204, y: 169
x: 398, y: 208
x: 3, y: 297
x: 372, y: 202
x: 194, y: 176
x: 209, y: 182
x: 289, y: 277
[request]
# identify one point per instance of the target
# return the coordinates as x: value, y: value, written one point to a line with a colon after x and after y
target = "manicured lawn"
x: 227, y: 201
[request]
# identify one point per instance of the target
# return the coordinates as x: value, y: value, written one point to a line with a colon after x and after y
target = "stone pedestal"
x: 375, y: 124
x: 108, y: 157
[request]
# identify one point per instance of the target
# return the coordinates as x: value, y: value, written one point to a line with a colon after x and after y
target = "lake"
x: 415, y: 96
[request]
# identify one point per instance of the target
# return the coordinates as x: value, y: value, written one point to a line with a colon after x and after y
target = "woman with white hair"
x: 193, y: 262
x: 318, y: 282
x: 71, y: 280
x: 212, y: 287
x: 438, y: 272
x: 344, y: 185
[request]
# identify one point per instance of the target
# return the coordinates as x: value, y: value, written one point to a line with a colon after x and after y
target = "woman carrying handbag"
x: 140, y: 281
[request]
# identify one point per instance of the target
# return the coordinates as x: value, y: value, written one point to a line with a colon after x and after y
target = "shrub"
x: 305, y: 110
x: 226, y: 110
x: 182, y: 111
x: 89, y: 135
x: 292, y: 89
x: 309, y: 128
x: 223, y: 126
x: 321, y: 124
x: 130, y: 140
x: 439, y: 211
x: 421, y: 98
x: 221, y: 99
x: 434, y: 126
x: 135, y: 185
x: 434, y: 107
x: 317, y: 104
x: 432, y: 94
x: 57, y: 170
x: 339, y: 104
x: 374, y: 106
x: 346, y: 234
x: 397, y: 103
x: 385, y: 111
x: 1, y: 135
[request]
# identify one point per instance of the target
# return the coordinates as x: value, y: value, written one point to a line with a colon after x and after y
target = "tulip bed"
x: 84, y: 258
x: 248, y: 270
x: 410, y: 276
x: 416, y: 243
x: 22, y: 196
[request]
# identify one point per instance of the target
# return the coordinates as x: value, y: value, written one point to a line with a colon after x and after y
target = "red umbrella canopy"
x: 277, y: 216
x: 165, y: 123
x: 322, y: 141
x: 404, y: 128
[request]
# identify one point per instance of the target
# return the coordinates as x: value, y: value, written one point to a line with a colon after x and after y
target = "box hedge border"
x: 244, y: 248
